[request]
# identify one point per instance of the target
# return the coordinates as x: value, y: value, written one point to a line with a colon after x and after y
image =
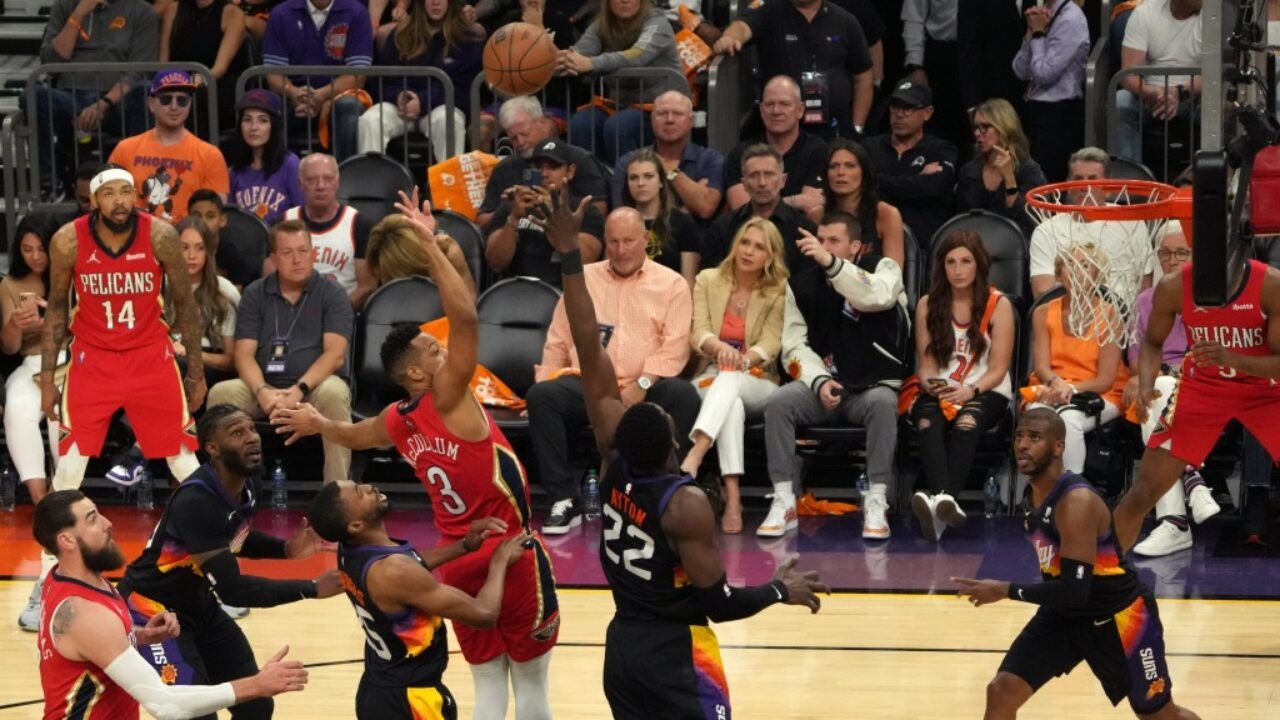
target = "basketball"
x: 519, y: 58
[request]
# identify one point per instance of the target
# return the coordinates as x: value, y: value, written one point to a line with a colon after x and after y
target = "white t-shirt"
x: 964, y: 367
x: 1121, y: 241
x: 1166, y: 41
x: 228, y: 291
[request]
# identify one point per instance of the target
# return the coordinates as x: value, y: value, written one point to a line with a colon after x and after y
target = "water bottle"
x: 591, y: 496
x: 991, y: 495
x: 279, y: 487
x: 864, y: 485
x: 8, y: 487
x: 143, y: 488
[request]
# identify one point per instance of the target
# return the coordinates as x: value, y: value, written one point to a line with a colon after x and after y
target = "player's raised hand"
x: 559, y: 221
x: 481, y: 529
x: 297, y: 422
x: 513, y: 548
x: 162, y: 626
x: 304, y: 543
x: 328, y: 585
x: 281, y: 676
x: 982, y: 592
x: 803, y: 588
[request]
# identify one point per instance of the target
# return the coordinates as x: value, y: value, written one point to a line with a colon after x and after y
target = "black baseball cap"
x: 557, y: 151
x: 911, y: 94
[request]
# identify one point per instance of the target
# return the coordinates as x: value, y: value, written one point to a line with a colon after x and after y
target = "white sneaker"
x: 930, y: 526
x: 948, y: 510
x: 781, y: 518
x: 29, y: 618
x: 1165, y: 539
x: 1202, y: 504
x: 874, y: 524
x: 235, y: 612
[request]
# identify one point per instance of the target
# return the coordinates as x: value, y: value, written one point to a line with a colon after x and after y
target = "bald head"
x: 318, y: 161
x: 781, y: 106
x: 625, y: 240
x: 318, y: 175
x: 672, y: 117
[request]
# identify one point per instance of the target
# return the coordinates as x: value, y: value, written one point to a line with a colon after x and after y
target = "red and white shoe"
x: 781, y: 518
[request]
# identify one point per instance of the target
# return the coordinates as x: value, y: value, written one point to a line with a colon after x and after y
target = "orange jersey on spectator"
x: 166, y: 175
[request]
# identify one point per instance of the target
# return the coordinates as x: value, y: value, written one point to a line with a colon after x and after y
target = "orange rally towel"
x: 811, y: 506
x: 489, y: 388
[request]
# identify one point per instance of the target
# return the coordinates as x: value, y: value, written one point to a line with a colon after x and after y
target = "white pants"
x: 1078, y: 423
x: 726, y: 403
x: 1173, y: 502
x: 22, y: 415
x: 381, y: 123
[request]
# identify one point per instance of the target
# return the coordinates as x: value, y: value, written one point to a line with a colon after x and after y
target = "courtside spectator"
x: 763, y: 177
x: 675, y: 240
x: 852, y: 187
x: 321, y: 32
x: 396, y: 251
x: 434, y: 33
x: 916, y: 171
x: 207, y: 205
x: 216, y: 300
x: 1051, y: 61
x: 168, y: 162
x: 694, y: 173
x: 804, y: 156
x: 1001, y: 172
x: 1161, y: 33
x: 208, y: 32
x: 84, y: 199
x: 264, y: 172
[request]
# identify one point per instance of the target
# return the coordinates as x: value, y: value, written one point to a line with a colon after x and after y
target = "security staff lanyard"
x: 814, y: 85
x: 276, y: 360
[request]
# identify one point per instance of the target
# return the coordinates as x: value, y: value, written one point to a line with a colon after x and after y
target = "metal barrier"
x: 260, y: 73
x: 1192, y: 116
x: 22, y: 146
x: 1096, y: 91
x: 726, y: 101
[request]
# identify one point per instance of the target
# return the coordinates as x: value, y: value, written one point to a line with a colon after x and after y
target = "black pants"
x: 946, y: 450
x: 558, y: 410
x: 1056, y: 130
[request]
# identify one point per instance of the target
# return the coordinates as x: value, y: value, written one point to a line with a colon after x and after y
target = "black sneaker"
x: 1254, y: 517
x: 565, y: 516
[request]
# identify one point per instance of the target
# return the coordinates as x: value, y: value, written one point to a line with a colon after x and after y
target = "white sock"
x: 70, y: 471
x: 784, y: 488
x: 881, y: 489
x: 182, y: 464
x: 490, y: 681
x: 529, y: 681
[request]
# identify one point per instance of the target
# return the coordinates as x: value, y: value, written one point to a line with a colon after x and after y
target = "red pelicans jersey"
x: 72, y: 689
x: 466, y: 480
x: 1240, y: 326
x: 118, y: 296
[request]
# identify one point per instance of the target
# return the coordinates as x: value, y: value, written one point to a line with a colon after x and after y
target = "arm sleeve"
x: 867, y: 292
x: 759, y: 18
x: 275, y: 44
x: 223, y: 572
x: 724, y: 603
x: 1070, y: 589
x: 58, y: 15
x: 1049, y: 56
x: 1042, y: 252
x: 1135, y: 31
x: 260, y: 545
x: 249, y: 314
x: 338, y: 315
x: 166, y: 702
x: 702, y: 323
x: 359, y: 50
x: 655, y: 39
x: 858, y: 59
x: 216, y: 176
x: 913, y: 36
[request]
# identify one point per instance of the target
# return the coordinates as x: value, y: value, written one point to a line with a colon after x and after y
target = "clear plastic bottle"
x: 864, y: 484
x: 8, y: 487
x: 279, y: 487
x: 591, y: 495
x: 143, y: 488
x: 991, y: 504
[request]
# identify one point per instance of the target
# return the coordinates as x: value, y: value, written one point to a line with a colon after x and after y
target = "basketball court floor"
x: 893, y: 642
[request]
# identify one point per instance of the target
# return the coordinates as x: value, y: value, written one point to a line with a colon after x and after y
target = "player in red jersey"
x: 108, y: 271
x: 471, y: 473
x: 88, y: 666
x: 1231, y: 371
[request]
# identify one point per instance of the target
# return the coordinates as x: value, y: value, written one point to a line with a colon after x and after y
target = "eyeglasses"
x: 982, y: 127
x: 1181, y: 254
x: 167, y: 99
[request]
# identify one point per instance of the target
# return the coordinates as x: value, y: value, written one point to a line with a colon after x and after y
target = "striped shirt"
x: 644, y: 323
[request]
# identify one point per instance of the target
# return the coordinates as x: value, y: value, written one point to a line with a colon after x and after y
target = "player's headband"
x: 107, y: 176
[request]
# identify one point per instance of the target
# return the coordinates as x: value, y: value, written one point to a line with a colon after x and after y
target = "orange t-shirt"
x: 1075, y: 359
x: 166, y: 175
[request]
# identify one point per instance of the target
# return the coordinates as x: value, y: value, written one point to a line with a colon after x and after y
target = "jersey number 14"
x: 125, y: 317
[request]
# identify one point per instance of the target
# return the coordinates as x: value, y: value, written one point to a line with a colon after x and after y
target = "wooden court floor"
x: 871, y: 657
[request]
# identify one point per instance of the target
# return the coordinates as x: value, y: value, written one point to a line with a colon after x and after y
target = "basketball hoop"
x: 1104, y: 234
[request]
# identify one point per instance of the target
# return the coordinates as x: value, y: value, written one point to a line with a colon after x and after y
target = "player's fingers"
x: 279, y: 654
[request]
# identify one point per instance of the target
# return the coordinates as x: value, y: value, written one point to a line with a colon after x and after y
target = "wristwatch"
x: 671, y: 175
x: 644, y: 383
x: 305, y: 388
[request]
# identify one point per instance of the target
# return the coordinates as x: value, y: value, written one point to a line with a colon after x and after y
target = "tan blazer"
x: 711, y: 293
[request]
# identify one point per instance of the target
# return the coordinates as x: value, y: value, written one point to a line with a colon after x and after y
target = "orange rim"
x: 1147, y: 200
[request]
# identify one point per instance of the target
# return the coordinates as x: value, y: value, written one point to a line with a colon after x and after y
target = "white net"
x: 1100, y: 261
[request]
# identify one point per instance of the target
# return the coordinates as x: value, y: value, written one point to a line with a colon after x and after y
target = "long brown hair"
x: 210, y: 303
x: 938, y: 320
x: 414, y: 33
x: 666, y: 202
x: 617, y: 35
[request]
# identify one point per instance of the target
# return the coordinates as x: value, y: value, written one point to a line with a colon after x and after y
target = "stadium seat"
x: 1006, y: 243
x: 370, y: 183
x: 411, y: 299
x: 911, y: 272
x: 1119, y: 168
x: 469, y: 237
x: 514, y: 316
x: 248, y: 234
x: 1268, y: 250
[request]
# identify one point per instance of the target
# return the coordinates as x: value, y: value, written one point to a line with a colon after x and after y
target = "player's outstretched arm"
x: 303, y: 419
x: 400, y: 580
x: 599, y: 381
x: 88, y: 631
x: 475, y: 537
x: 690, y: 527
x: 168, y: 252
x: 1079, y: 517
x: 223, y: 571
x: 62, y: 260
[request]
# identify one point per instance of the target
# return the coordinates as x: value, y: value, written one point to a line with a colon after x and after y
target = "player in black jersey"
x: 1093, y: 607
x: 659, y: 550
x: 189, y: 564
x: 401, y: 605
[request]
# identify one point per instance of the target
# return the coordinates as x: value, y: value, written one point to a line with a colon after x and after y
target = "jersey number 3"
x: 613, y: 534
x: 451, y: 501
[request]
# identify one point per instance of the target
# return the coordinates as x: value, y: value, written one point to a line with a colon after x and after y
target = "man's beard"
x: 116, y: 227
x: 104, y: 559
x: 238, y: 466
x: 382, y: 510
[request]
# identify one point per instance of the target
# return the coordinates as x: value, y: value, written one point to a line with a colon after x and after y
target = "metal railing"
x: 260, y: 73
x: 727, y: 101
x: 1191, y: 116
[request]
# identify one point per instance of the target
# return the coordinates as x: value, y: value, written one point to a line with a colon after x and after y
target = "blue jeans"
x: 1133, y: 115
x: 344, y: 127
x: 609, y: 137
x: 56, y: 113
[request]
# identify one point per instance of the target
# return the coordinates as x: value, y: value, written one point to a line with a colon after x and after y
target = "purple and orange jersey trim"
x: 713, y: 688
x: 416, y: 631
x: 1049, y: 554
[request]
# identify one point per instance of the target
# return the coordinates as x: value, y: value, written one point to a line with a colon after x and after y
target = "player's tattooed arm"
x: 60, y: 625
x: 168, y: 250
x: 62, y: 260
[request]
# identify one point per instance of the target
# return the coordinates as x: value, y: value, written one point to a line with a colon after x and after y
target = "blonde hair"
x: 1005, y: 120
x: 395, y: 251
x: 775, y: 272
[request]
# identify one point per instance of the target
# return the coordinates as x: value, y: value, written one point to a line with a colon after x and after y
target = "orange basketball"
x: 519, y: 58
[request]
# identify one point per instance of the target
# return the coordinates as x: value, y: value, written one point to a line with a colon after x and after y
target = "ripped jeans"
x: 947, y: 448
